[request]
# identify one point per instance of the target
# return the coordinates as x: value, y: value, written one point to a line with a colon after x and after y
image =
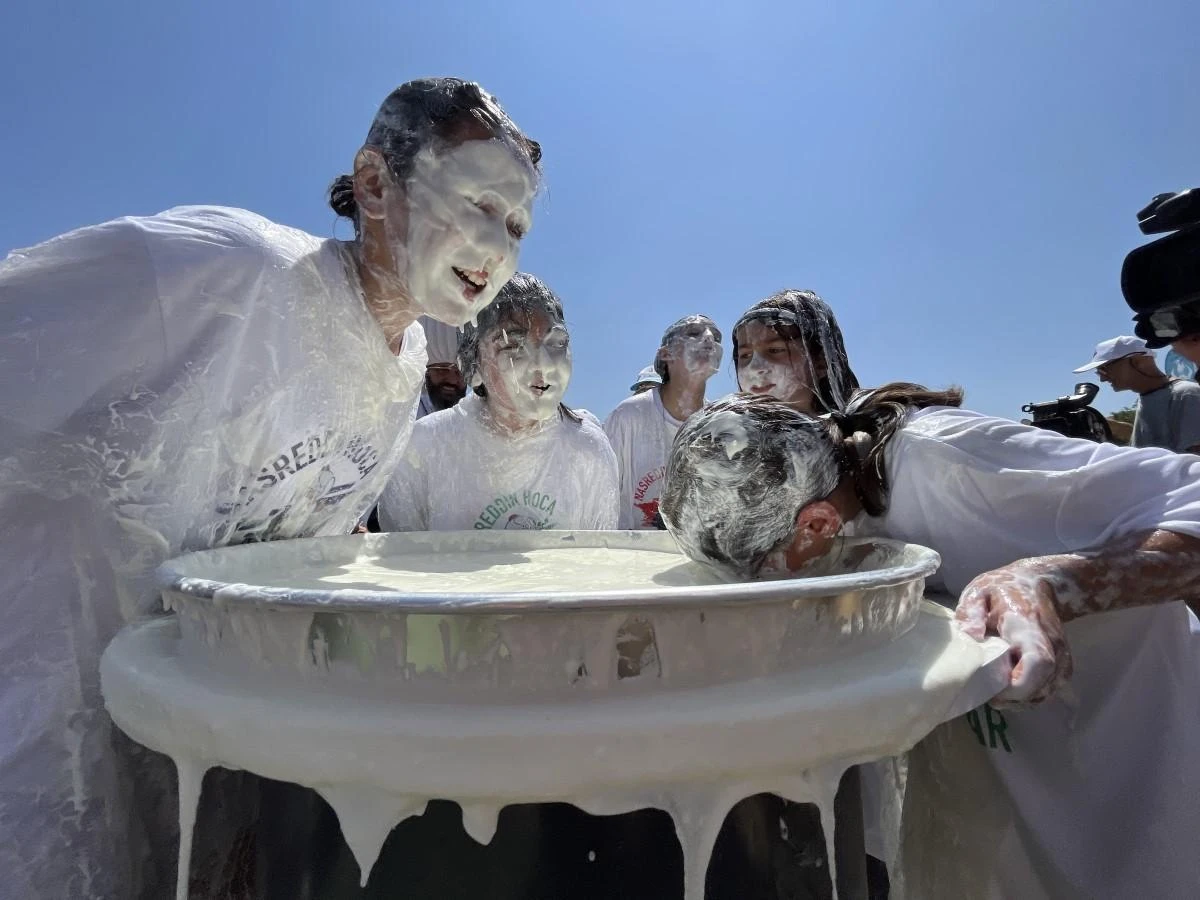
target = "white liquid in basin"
x: 378, y: 758
x: 530, y: 571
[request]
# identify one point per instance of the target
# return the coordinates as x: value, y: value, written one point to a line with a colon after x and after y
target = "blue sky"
x: 958, y: 180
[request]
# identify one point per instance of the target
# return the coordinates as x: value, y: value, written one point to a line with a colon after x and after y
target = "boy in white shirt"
x: 642, y: 427
x: 511, y: 455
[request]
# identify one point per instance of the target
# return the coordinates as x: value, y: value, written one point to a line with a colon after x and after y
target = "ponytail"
x: 341, y: 199
x: 864, y: 428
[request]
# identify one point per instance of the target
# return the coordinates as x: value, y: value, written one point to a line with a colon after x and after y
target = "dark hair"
x: 877, y: 414
x: 675, y: 328
x: 522, y: 294
x: 741, y: 469
x: 808, y: 319
x: 418, y: 112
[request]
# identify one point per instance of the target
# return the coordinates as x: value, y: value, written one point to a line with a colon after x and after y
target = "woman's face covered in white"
x: 770, y: 365
x: 454, y: 230
x: 525, y: 364
x: 694, y: 349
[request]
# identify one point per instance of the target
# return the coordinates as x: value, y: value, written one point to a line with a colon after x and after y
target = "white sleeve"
x: 404, y: 505
x: 1096, y: 492
x: 1085, y: 494
x: 1131, y: 490
x: 616, y: 427
x: 80, y: 326
x: 604, y: 514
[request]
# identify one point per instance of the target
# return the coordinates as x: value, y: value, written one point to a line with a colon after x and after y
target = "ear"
x: 817, y: 525
x: 371, y: 181
x: 819, y: 520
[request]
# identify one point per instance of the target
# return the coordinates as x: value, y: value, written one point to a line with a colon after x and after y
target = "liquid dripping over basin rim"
x: 228, y: 576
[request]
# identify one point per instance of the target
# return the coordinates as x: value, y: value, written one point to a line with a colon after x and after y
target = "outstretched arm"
x: 1028, y: 602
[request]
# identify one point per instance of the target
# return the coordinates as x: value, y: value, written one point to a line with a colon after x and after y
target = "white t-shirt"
x: 1093, y: 793
x: 641, y: 431
x: 459, y: 473
x: 182, y: 381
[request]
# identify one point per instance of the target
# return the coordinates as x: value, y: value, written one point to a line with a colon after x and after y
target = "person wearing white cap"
x: 1168, y: 413
x: 647, y: 379
x: 444, y: 384
x: 642, y: 427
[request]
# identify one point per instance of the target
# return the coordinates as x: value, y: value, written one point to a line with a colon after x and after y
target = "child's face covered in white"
x: 525, y: 365
x: 695, y: 349
x: 769, y: 364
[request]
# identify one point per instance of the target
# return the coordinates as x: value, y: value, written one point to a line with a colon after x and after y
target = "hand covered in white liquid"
x: 1018, y: 604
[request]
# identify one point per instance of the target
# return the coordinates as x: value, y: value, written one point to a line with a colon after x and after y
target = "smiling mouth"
x: 474, y: 280
x: 539, y: 389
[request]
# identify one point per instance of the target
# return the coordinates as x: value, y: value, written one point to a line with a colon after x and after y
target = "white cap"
x: 646, y: 376
x: 441, y: 341
x: 1115, y: 348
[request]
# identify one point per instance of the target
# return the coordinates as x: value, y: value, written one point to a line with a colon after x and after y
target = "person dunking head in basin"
x: 1065, y: 548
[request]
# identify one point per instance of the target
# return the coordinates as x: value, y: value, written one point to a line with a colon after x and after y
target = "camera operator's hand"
x: 1018, y: 604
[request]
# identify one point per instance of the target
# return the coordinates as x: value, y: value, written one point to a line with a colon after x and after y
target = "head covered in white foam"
x: 691, y: 345
x: 789, y: 347
x: 743, y: 470
x: 739, y: 472
x: 440, y: 198
x: 518, y: 355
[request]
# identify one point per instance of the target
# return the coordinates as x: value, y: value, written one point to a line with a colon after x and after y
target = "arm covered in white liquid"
x: 1036, y: 529
x: 1028, y: 602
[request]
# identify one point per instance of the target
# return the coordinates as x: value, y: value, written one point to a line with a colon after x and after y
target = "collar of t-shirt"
x: 667, y: 417
x: 474, y: 408
x: 1167, y: 384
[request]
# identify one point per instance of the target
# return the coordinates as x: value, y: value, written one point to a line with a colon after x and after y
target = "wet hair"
x: 445, y: 111
x: 675, y: 329
x: 523, y: 294
x: 803, y: 316
x: 741, y: 469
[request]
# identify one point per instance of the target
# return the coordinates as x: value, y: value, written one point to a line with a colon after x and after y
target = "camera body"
x: 1161, y: 280
x: 1072, y: 416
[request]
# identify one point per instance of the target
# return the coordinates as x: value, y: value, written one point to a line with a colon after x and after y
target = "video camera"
x: 1161, y: 280
x: 1072, y: 416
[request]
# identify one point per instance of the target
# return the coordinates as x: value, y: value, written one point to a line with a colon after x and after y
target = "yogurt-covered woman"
x: 1050, y: 542
x: 206, y: 377
x: 789, y: 347
x: 510, y: 455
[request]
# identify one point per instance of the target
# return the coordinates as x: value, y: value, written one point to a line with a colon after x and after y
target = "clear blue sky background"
x: 958, y: 179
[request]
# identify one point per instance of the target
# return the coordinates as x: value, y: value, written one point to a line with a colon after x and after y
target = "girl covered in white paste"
x: 510, y: 455
x: 789, y: 347
x: 206, y: 377
x: 1069, y: 550
x: 642, y: 427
